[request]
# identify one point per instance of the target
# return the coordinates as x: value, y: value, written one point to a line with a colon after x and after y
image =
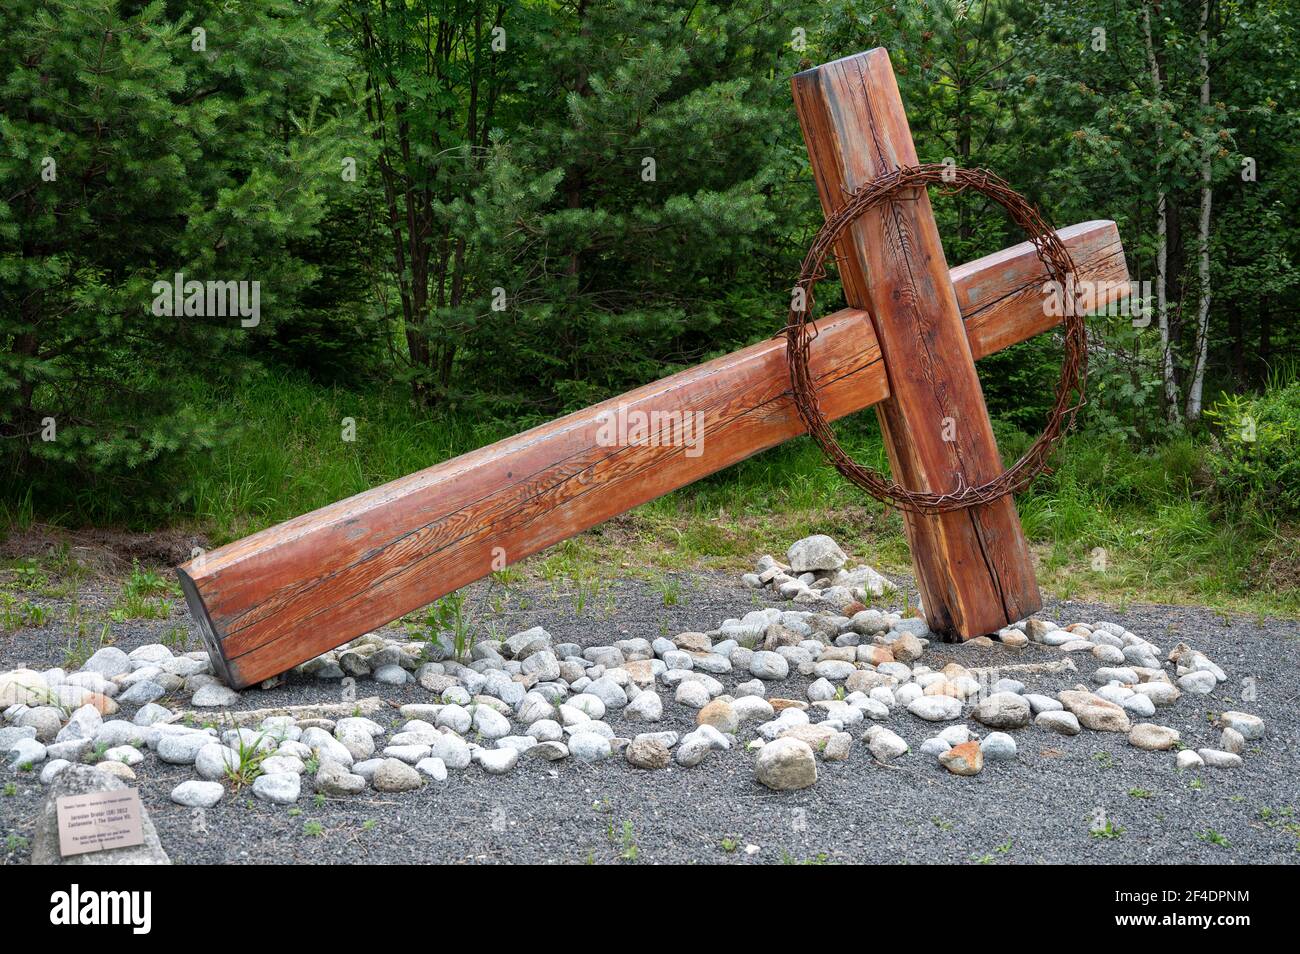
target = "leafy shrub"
x: 1254, y: 459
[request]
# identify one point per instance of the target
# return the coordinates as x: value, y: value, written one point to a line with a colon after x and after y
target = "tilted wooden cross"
x: 907, y: 345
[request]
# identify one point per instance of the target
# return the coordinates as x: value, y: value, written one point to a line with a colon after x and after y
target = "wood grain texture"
x: 973, y: 566
x: 293, y: 591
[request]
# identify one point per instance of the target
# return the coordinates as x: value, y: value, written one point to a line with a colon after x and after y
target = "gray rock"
x: 1040, y: 703
x: 1059, y: 721
x: 280, y: 788
x: 354, y: 664
x: 837, y: 747
x: 84, y: 780
x: 884, y: 744
x: 74, y: 750
x: 436, y: 769
x: 1139, y: 705
x: 589, y: 746
x: 544, y: 665
x: 215, y: 761
x: 282, y: 764
x: 752, y: 709
x: 935, y: 708
x: 194, y: 794
x: 1109, y: 654
x: 1216, y: 758
x: 692, y: 751
x: 1200, y: 683
x: 327, y: 747
x: 359, y: 743
x: 998, y: 747
x: 520, y: 743
x: 82, y: 724
x: 151, y: 714
x: 547, y: 730
x: 453, y: 750
x: 1124, y: 675
x: 1161, y: 693
x: 498, y: 761
x: 392, y: 675
x: 11, y: 734
x: 51, y: 770
x: 1232, y: 741
x: 535, y: 708
x: 108, y: 662
x: 333, y: 778
x: 587, y: 704
x: 818, y: 552
x: 834, y: 669
x: 214, y: 697
x: 1251, y: 727
x: 609, y: 692
x: 935, y: 747
x: 454, y: 717
x: 393, y: 775
x: 1003, y: 710
x: 717, y: 741
x: 410, y: 754
x: 785, y: 765
x: 143, y: 693
x: 1187, y: 759
x: 523, y: 644
x: 182, y: 748
x: 26, y: 753
x: 153, y: 654
x: 550, y: 751
x: 693, y: 693
x: 769, y: 665
x: 956, y: 734
x: 490, y: 724
x: 44, y: 721
x: 648, y: 753
x: 646, y: 707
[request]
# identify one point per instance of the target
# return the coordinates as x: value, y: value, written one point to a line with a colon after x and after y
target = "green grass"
x: 1146, y: 512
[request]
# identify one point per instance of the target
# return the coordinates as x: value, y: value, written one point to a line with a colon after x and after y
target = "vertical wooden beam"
x: 973, y: 566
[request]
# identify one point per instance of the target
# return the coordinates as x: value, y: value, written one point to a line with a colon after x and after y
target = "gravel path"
x: 1038, y: 808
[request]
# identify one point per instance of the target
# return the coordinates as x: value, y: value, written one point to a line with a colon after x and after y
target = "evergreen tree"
x: 142, y: 141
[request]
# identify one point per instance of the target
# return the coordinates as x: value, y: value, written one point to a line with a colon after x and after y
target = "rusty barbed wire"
x: 800, y: 334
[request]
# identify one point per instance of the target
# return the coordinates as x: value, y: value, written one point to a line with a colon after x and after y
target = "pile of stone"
x: 530, y: 697
x: 814, y: 573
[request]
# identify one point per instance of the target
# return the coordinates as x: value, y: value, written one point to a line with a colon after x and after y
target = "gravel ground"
x: 1038, y: 808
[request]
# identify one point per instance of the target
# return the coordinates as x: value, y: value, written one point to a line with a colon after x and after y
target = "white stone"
x: 279, y: 788
x: 214, y: 696
x: 818, y: 552
x: 498, y: 761
x: 1251, y: 727
x: 786, y: 764
x: 194, y: 794
x: 769, y: 665
x: 589, y: 746
x: 885, y: 745
x: 935, y: 708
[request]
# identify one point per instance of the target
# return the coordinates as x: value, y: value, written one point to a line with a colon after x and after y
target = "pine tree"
x: 140, y: 142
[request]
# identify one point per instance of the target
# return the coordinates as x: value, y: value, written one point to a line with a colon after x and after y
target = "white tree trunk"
x: 1196, y: 387
x: 1172, y: 401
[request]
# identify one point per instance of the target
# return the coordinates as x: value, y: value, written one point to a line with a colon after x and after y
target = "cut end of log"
x: 207, y: 629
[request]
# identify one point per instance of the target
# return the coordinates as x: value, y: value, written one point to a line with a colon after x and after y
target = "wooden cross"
x: 908, y: 346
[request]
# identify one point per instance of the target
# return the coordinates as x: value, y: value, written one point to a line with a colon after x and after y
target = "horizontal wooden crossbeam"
x: 293, y: 591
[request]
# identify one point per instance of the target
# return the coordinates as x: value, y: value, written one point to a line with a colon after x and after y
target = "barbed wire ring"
x: 801, y: 332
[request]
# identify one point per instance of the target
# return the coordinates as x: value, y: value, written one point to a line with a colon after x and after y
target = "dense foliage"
x: 498, y: 211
